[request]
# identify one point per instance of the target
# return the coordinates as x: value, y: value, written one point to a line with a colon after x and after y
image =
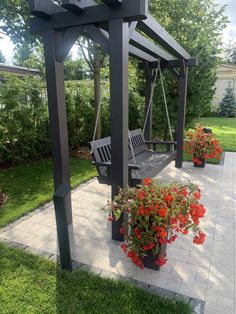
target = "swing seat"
x: 146, y: 164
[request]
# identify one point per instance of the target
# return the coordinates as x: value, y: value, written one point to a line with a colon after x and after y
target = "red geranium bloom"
x: 141, y: 195
x: 197, y: 195
x: 169, y: 198
x: 199, y: 238
x: 161, y: 260
x: 184, y: 192
x: 162, y: 212
x: 147, y: 181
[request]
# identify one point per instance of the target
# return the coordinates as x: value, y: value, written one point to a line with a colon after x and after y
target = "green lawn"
x: 225, y: 131
x: 31, y: 185
x: 33, y: 285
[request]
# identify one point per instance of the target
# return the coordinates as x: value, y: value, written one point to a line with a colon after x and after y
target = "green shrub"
x: 23, y: 121
x: 228, y: 103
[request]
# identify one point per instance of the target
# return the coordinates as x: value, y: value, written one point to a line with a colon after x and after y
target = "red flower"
x: 161, y: 231
x: 124, y: 247
x: 169, y: 198
x: 141, y: 195
x: 149, y: 246
x: 173, y: 220
x: 162, y: 212
x: 197, y: 195
x: 147, y: 181
x: 137, y: 233
x: 141, y: 210
x: 162, y: 241
x: 184, y: 192
x: 199, y: 238
x: 122, y: 230
x: 161, y: 260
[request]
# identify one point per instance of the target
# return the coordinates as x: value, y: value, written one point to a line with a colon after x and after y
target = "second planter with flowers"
x: 157, y: 214
x: 202, y: 144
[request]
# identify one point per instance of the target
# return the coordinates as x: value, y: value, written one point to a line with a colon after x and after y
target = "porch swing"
x: 142, y: 162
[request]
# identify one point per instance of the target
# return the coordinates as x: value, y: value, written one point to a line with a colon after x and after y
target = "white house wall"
x: 226, y: 74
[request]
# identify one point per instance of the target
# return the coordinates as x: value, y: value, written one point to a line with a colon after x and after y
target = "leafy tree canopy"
x: 197, y: 25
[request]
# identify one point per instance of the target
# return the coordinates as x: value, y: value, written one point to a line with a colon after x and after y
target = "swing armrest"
x: 107, y: 164
x: 161, y: 142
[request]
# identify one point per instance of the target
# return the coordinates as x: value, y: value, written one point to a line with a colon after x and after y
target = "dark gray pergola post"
x: 148, y: 73
x: 119, y: 57
x: 60, y: 149
x: 181, y: 113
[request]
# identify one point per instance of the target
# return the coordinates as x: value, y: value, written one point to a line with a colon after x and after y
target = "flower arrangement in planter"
x: 156, y: 215
x: 202, y: 145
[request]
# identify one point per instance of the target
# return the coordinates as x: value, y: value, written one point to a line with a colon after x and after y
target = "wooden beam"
x: 101, y: 37
x: 44, y: 9
x: 181, y: 113
x: 149, y: 47
x: 77, y: 6
x: 193, y: 62
x: 175, y: 73
x: 132, y: 27
x: 155, y: 31
x: 112, y: 3
x: 119, y: 57
x: 60, y: 147
x: 66, y: 42
x: 141, y: 55
x: 130, y: 10
x: 98, y: 35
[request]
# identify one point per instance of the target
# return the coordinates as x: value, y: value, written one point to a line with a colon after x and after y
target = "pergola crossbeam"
x: 130, y: 10
x: 112, y: 3
x: 77, y: 6
x: 135, y: 52
x: 155, y: 31
x: 44, y: 9
x: 149, y: 47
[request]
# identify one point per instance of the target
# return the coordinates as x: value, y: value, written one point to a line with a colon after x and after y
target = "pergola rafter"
x: 116, y: 25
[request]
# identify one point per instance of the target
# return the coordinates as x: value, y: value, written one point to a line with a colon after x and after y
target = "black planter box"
x: 149, y: 260
x: 201, y: 165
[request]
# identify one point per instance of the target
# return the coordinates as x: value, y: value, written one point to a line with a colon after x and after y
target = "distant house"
x: 226, y: 74
x: 17, y: 70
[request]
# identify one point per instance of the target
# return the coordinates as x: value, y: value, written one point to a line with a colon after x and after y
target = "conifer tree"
x: 228, y: 103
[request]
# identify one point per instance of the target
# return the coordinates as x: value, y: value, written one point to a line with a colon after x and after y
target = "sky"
x: 230, y: 32
x: 6, y: 46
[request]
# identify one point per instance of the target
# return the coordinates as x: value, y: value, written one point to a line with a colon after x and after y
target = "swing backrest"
x: 138, y: 143
x: 102, y: 148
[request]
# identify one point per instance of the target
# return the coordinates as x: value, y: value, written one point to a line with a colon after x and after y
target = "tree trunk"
x: 97, y: 92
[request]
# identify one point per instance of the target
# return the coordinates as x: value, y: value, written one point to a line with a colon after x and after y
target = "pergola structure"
x: 117, y: 26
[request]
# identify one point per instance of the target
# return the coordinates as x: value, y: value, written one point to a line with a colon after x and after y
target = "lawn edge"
x: 197, y: 306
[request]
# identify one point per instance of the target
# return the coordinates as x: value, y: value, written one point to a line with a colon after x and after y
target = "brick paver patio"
x: 203, y: 272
